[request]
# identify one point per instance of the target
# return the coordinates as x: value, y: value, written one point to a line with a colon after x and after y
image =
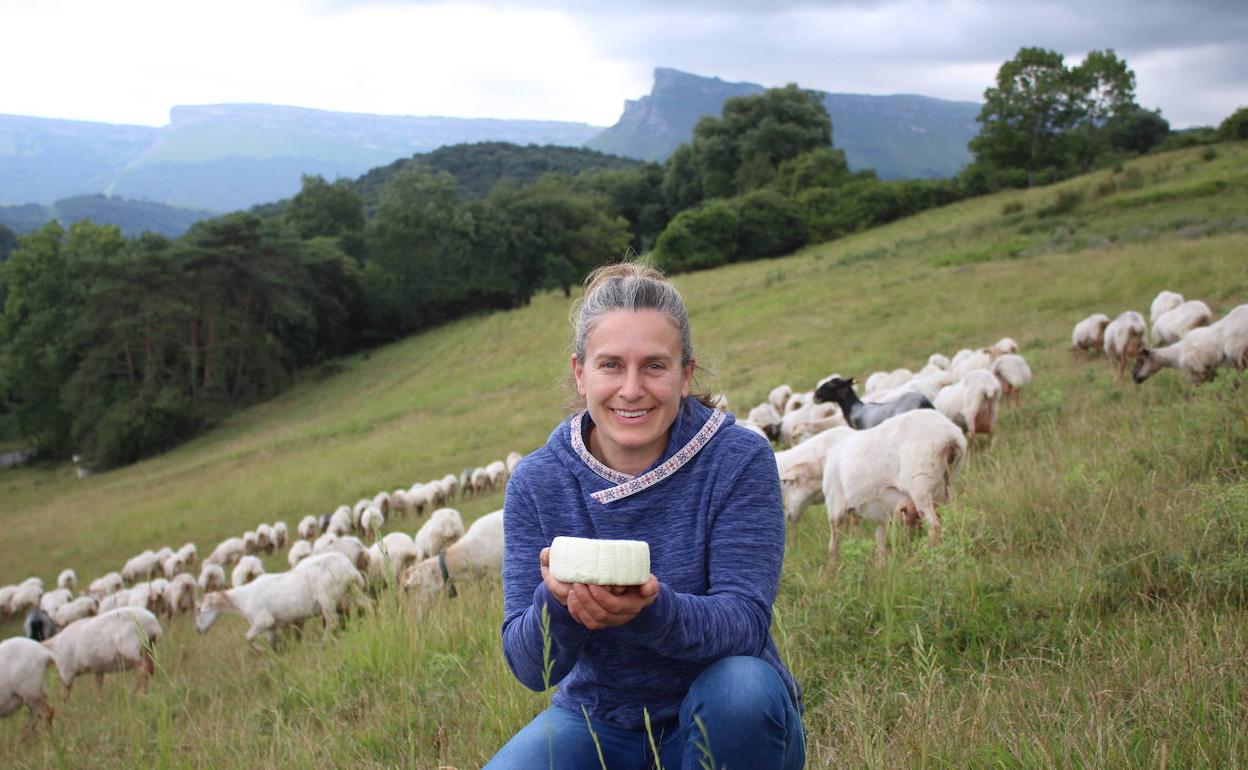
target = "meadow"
x: 1088, y: 606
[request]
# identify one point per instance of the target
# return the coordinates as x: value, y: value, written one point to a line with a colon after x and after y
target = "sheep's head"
x: 424, y: 580
x: 209, y: 609
x: 1146, y: 364
x: 835, y: 389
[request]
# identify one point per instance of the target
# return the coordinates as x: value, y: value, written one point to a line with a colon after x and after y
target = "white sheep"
x: 1176, y: 322
x: 498, y: 474
x: 418, y: 499
x: 251, y: 542
x: 308, y: 528
x: 26, y: 597
x: 1124, y: 339
x: 316, y: 587
x: 140, y: 567
x: 808, y: 421
x: 172, y: 566
x: 477, y: 554
x: 1200, y: 352
x: 399, y: 502
x: 801, y: 473
x: 513, y: 459
x: 341, y: 522
x: 939, y: 361
x: 971, y: 403
x: 179, y: 595
x: 189, y: 554
x: 51, y: 601
x: 299, y: 550
x: 281, y: 534
x: 371, y: 522
x: 444, y: 527
x: 117, y: 640
x: 874, y: 382
x: 1002, y: 347
x: 381, y: 501
x: 249, y: 568
x: 1013, y: 374
x: 264, y: 539
x: 480, y: 481
x: 1234, y: 330
x: 979, y: 359
x: 67, y: 579
x: 6, y: 596
x: 959, y: 357
x: 390, y: 557
x: 347, y: 545
x: 1089, y: 334
x: 1163, y: 303
x: 767, y: 418
x: 778, y: 396
x: 211, y: 578
x: 904, y: 466
x: 82, y: 607
x: 798, y: 400
x: 450, y: 482
x: 228, y: 552
x: 105, y: 585
x: 23, y: 664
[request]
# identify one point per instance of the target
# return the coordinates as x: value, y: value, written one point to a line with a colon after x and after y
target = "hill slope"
x: 1086, y: 608
x: 900, y: 136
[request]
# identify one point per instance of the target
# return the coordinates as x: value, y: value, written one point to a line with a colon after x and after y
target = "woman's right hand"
x: 558, y: 589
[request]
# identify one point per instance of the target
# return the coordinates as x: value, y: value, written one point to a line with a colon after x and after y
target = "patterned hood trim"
x: 626, y: 484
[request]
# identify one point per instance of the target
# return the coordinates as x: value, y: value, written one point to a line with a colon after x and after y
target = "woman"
x: 691, y: 648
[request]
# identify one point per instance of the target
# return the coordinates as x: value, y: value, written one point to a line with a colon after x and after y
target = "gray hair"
x: 629, y: 286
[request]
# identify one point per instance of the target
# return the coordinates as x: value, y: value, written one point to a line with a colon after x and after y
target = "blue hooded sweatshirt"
x: 711, y: 511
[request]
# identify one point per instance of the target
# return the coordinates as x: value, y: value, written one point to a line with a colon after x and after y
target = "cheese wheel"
x: 600, y: 562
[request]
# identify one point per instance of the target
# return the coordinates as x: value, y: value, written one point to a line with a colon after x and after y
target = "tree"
x: 1235, y: 127
x: 8, y: 242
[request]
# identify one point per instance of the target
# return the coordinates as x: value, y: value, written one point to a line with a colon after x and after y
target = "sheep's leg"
x: 881, y: 543
x: 39, y: 708
x: 927, y: 508
x: 835, y: 517
x: 146, y: 668
x: 99, y: 681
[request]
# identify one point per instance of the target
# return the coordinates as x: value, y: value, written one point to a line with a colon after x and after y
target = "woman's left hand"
x: 597, y: 607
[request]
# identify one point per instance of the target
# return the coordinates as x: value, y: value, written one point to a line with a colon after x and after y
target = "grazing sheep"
x: 26, y: 597
x: 861, y: 415
x: 189, y: 554
x: 418, y: 499
x: 38, y: 625
x: 280, y: 535
x: 450, y: 483
x: 105, y: 585
x: 939, y: 361
x: 342, y: 522
x: 381, y: 501
x: 282, y: 598
x: 1124, y: 339
x: 23, y: 664
x: 211, y: 578
x: 1174, y: 323
x: 1234, y: 330
x: 444, y: 527
x: 980, y: 359
x: 82, y: 607
x: 480, y: 481
x: 6, y: 596
x: 398, y: 502
x: 801, y: 473
x: 67, y: 579
x: 299, y: 551
x: 251, y: 542
x: 228, y: 552
x: 497, y: 471
x: 1162, y: 304
x: 904, y: 466
x: 478, y: 553
x: 179, y: 595
x: 264, y: 539
x: 141, y: 567
x: 797, y: 401
x: 808, y: 421
x: 308, y: 528
x: 972, y: 402
x: 1089, y: 334
x: 172, y: 566
x: 767, y: 418
x: 753, y: 428
x: 55, y: 598
x: 513, y: 459
x: 249, y: 568
x: 390, y: 557
x: 874, y: 382
x: 371, y: 522
x: 116, y: 640
x: 1003, y: 347
x: 1201, y: 351
x: 1013, y: 374
x: 778, y: 396
x: 465, y: 481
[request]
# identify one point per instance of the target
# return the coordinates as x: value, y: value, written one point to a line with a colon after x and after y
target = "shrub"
x: 698, y: 238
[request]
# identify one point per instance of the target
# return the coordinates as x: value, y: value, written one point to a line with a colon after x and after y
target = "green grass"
x: 1085, y: 609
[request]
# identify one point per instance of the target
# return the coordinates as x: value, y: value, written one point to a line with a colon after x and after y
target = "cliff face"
x: 898, y: 136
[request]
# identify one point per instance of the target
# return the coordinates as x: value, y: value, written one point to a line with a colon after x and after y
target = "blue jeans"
x: 746, y: 709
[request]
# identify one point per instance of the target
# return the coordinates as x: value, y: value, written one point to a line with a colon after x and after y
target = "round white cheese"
x: 600, y: 562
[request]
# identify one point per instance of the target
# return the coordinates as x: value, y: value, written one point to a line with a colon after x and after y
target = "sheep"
x: 972, y: 402
x: 141, y: 567
x: 211, y: 578
x: 264, y: 539
x: 399, y: 503
x: 718, y: 401
x: 26, y: 597
x: 418, y: 500
x: 308, y: 528
x: 82, y: 607
x: 1124, y: 339
x: 435, y: 493
x: 105, y: 585
x: 249, y: 568
x: 23, y: 665
x: 371, y: 522
x: 1164, y: 302
x: 116, y: 640
x: 164, y: 553
x: 1174, y: 323
x: 465, y: 481
x: 895, y: 379
x: 67, y: 579
x: 172, y: 566
x: 381, y: 501
x: 801, y: 474
x: 811, y: 419
x: 251, y: 542
x: 1089, y: 334
x: 904, y: 466
x: 342, y: 522
x: 796, y: 401
x: 1234, y: 329
x: 355, y: 551
x: 778, y: 396
x: 228, y: 552
x: 54, y: 599
x: 280, y: 535
x: 38, y: 625
x: 498, y: 474
x: 751, y: 427
x: 444, y: 527
x: 390, y: 557
x: 513, y: 459
x: 189, y: 554
x: 959, y: 357
x: 6, y: 596
x: 317, y: 586
x: 478, y: 553
x: 299, y: 551
x: 861, y: 415
x: 450, y: 482
x: 1201, y: 351
x: 1003, y: 347
x: 980, y: 359
x: 179, y: 595
x: 119, y: 599
x: 1012, y: 373
x: 873, y: 382
x: 939, y: 361
x: 767, y: 418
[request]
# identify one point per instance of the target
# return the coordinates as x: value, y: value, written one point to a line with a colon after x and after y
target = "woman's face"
x: 632, y: 381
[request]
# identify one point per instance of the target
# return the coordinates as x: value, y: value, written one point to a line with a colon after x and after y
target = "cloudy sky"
x: 129, y: 61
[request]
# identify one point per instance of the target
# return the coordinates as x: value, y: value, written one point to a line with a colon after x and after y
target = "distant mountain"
x: 898, y: 136
x: 231, y: 156
x: 133, y: 217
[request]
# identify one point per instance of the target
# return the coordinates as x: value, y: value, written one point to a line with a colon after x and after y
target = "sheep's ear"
x: 850, y: 381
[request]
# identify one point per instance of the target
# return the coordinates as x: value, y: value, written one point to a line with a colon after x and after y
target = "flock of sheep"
x: 1184, y: 336
x: 891, y: 452
x: 114, y: 625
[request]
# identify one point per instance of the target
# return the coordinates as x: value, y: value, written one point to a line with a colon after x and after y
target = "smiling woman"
x: 682, y: 665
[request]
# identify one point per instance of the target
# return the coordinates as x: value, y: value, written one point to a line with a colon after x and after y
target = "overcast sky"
x: 129, y: 61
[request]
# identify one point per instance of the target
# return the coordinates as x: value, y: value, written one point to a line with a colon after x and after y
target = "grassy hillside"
x: 1086, y: 608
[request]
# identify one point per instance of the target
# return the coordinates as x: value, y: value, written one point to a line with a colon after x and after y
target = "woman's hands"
x: 598, y: 607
